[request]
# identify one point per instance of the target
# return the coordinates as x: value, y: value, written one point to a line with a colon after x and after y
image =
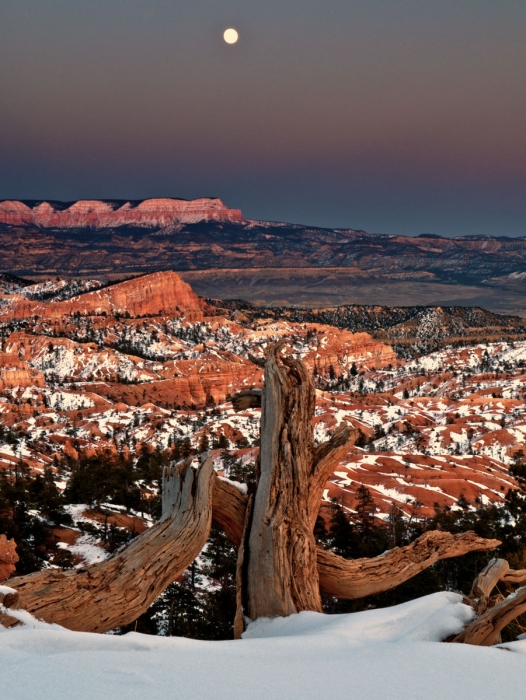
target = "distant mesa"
x: 99, y: 214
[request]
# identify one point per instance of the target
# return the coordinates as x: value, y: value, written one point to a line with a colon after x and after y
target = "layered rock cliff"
x: 98, y: 214
x: 151, y: 295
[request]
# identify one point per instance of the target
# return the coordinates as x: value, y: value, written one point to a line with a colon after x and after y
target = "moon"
x: 230, y: 36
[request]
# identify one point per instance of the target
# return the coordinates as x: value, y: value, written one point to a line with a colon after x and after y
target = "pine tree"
x: 343, y: 536
x: 204, y: 443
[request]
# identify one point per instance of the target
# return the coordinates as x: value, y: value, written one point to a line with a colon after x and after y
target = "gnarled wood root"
x: 493, y: 612
x: 485, y: 630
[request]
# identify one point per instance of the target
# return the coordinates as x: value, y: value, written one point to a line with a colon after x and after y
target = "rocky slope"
x: 149, y: 295
x: 412, y: 330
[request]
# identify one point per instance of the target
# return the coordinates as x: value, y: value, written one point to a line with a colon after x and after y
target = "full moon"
x: 230, y: 36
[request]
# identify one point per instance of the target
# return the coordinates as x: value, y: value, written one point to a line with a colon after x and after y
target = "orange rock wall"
x: 11, y: 378
x: 148, y: 295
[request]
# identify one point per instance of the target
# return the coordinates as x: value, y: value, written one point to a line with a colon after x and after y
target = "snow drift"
x: 388, y: 654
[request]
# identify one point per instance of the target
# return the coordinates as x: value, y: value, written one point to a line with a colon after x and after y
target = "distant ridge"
x: 113, y: 213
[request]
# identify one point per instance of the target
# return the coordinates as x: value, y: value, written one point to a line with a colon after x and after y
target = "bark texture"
x: 281, y: 568
x: 115, y: 592
x: 229, y: 507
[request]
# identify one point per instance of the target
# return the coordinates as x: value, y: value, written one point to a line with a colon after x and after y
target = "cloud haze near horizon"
x: 394, y: 116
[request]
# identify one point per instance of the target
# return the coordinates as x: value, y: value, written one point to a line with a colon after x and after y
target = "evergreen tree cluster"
x: 30, y: 506
x: 110, y: 477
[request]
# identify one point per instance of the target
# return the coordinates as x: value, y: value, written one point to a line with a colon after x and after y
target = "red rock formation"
x: 340, y: 348
x: 8, y: 557
x: 150, y: 213
x: 149, y: 295
x: 194, y: 384
x: 328, y: 346
x: 10, y: 378
x: 14, y: 370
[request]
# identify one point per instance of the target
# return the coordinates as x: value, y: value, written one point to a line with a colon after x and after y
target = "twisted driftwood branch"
x: 116, y: 591
x: 493, y: 612
x: 516, y: 577
x: 357, y: 578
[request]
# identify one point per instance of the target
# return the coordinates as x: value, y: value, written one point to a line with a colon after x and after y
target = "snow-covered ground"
x: 389, y: 654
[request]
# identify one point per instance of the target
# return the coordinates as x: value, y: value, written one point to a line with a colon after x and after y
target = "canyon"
x: 147, y: 366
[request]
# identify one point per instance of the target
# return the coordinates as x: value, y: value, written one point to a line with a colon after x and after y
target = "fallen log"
x: 116, y: 591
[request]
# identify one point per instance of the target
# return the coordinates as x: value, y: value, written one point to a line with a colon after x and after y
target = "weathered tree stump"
x: 116, y: 591
x: 280, y: 568
x: 281, y: 575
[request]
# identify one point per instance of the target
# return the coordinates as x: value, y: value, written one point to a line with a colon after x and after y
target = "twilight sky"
x: 395, y: 116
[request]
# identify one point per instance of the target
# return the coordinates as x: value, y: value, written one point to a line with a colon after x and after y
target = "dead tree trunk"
x: 356, y: 578
x: 119, y: 589
x: 281, y: 575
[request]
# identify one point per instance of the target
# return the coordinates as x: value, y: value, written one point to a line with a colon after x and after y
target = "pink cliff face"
x: 150, y: 213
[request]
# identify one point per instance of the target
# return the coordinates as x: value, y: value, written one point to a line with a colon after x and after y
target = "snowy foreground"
x: 389, y: 654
